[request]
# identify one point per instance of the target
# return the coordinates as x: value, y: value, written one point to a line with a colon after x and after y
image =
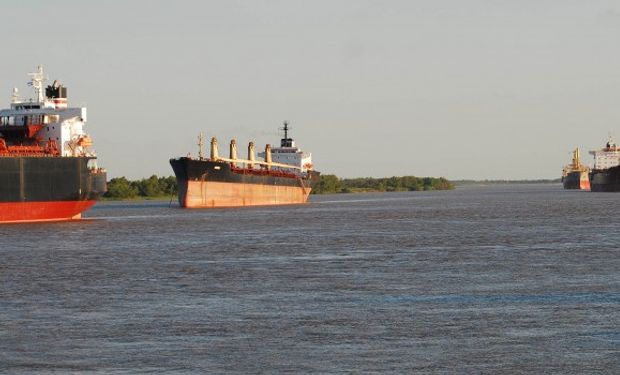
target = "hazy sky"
x: 460, y: 88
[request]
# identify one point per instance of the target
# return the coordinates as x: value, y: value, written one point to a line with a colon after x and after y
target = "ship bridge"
x: 46, y: 118
x: 289, y: 153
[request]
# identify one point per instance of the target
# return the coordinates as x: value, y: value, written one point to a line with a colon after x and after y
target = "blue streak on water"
x: 556, y: 299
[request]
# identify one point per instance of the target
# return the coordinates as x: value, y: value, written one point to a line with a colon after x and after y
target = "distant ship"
x: 605, y: 175
x: 48, y: 169
x: 576, y: 175
x: 286, y: 176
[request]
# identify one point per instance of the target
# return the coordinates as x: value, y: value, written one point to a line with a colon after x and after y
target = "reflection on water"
x: 481, y: 279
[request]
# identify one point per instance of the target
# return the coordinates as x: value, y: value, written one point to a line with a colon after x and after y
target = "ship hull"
x: 576, y: 180
x: 34, y: 189
x: 605, y: 180
x: 24, y: 212
x: 208, y: 184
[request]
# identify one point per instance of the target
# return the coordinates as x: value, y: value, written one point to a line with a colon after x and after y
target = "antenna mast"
x: 286, y: 129
x: 37, y: 80
x: 15, y: 96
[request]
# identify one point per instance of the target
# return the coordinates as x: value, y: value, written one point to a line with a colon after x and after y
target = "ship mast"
x: 37, y: 79
x: 286, y: 141
x: 201, y: 144
x: 285, y: 128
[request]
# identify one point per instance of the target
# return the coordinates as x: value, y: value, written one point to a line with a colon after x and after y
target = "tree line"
x: 154, y: 186
x: 332, y: 184
x: 506, y: 182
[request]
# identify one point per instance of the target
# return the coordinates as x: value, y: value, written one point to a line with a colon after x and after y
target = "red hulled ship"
x: 48, y: 170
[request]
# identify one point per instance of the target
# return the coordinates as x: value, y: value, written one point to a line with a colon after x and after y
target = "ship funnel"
x: 268, y: 156
x: 233, y: 151
x: 57, y: 93
x: 251, y: 155
x: 214, y: 154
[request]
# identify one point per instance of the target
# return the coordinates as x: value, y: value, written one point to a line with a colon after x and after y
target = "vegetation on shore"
x: 146, y: 188
x: 120, y: 188
x: 154, y: 187
x: 332, y: 184
x: 504, y: 182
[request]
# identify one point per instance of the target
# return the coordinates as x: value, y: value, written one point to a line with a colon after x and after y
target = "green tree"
x: 120, y: 188
x: 381, y: 185
x: 394, y: 183
x: 168, y: 185
x: 149, y: 187
x: 328, y: 183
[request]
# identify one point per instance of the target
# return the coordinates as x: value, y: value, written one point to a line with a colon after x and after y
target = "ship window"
x: 50, y: 118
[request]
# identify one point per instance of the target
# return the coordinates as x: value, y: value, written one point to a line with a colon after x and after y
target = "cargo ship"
x: 284, y: 176
x: 48, y: 170
x: 605, y: 175
x: 576, y: 175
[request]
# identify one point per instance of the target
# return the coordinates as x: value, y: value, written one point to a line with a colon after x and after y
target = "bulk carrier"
x: 285, y: 176
x: 48, y: 169
x: 576, y: 175
x: 605, y: 175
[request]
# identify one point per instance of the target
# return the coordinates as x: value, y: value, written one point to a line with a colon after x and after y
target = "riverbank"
x: 165, y: 188
x: 504, y: 182
x: 330, y: 184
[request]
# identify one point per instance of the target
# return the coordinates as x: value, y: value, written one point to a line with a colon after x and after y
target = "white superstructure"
x: 607, y: 157
x: 60, y: 123
x: 289, y: 153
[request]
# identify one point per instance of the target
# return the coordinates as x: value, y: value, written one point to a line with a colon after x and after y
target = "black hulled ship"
x: 605, y: 175
x: 284, y: 176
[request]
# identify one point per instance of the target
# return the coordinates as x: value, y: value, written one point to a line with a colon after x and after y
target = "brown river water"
x: 497, y: 279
